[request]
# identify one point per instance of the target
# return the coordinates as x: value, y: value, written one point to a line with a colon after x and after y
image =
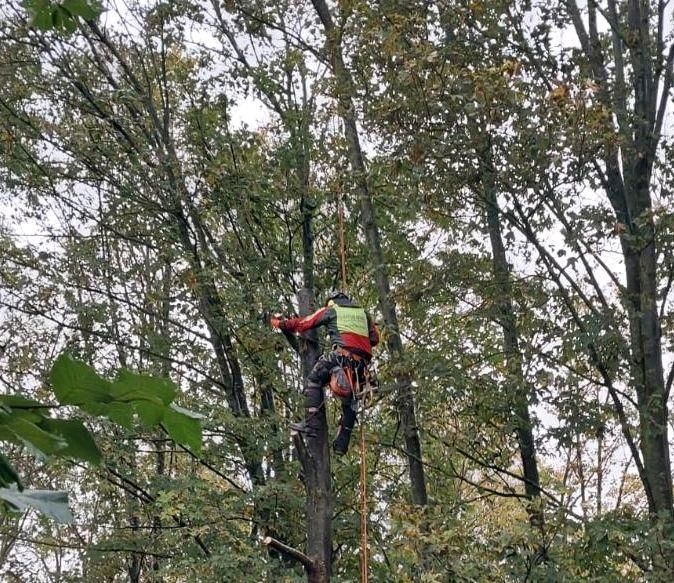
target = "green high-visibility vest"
x: 352, y: 319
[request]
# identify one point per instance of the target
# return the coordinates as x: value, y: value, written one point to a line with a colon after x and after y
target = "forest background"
x: 172, y: 172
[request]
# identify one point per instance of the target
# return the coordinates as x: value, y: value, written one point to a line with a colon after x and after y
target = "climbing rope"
x: 364, y: 397
x: 342, y: 244
x: 363, y: 495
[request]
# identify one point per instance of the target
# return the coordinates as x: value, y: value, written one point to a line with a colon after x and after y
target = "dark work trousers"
x: 313, y: 392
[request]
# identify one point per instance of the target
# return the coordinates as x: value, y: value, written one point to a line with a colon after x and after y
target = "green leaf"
x: 42, y: 20
x: 69, y: 21
x: 31, y: 415
x: 33, y: 436
x: 41, y: 13
x: 82, y: 8
x: 80, y: 443
x: 34, y: 6
x: 121, y: 413
x: 57, y: 16
x: 76, y: 383
x: 52, y: 503
x: 183, y: 429
x: 6, y: 434
x: 20, y: 402
x: 130, y: 386
x: 151, y: 412
x: 7, y: 473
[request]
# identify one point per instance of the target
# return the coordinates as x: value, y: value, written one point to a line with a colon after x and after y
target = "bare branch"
x: 308, y: 563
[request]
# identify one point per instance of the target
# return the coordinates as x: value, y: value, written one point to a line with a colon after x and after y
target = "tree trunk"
x: 637, y: 93
x: 405, y: 396
x: 639, y: 249
x: 313, y: 450
x: 627, y: 184
x: 517, y: 385
x: 314, y: 455
x: 647, y: 368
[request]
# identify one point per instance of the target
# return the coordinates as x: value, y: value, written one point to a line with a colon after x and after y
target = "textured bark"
x: 314, y: 455
x: 313, y: 450
x: 405, y: 397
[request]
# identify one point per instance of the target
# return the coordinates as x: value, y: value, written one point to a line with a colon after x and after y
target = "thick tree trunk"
x: 641, y: 265
x: 313, y: 450
x: 314, y: 456
x: 405, y: 396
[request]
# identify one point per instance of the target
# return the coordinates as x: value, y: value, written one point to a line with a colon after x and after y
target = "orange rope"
x: 363, y: 460
x: 363, y: 499
x: 342, y: 244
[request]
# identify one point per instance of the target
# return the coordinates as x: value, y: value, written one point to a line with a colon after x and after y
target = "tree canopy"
x: 172, y: 173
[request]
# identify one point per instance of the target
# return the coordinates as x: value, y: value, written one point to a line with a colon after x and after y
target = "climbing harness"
x: 341, y: 382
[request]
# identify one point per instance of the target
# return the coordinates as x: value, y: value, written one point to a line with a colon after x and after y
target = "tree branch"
x: 288, y: 551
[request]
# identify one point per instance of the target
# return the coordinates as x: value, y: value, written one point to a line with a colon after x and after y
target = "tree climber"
x: 352, y: 334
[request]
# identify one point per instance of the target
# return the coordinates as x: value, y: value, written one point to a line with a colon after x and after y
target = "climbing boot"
x: 341, y: 443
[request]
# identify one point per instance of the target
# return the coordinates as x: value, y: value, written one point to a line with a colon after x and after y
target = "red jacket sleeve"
x: 297, y: 324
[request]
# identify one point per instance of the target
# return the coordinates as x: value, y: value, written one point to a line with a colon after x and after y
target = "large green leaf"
x: 183, y: 429
x: 151, y: 412
x: 20, y: 402
x: 7, y: 434
x: 131, y: 386
x: 32, y: 415
x: 121, y: 413
x: 41, y: 12
x: 35, y: 437
x: 50, y: 502
x: 79, y: 442
x: 76, y: 383
x: 48, y: 14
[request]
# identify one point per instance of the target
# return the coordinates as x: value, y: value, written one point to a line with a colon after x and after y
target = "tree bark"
x: 313, y: 450
x: 314, y: 455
